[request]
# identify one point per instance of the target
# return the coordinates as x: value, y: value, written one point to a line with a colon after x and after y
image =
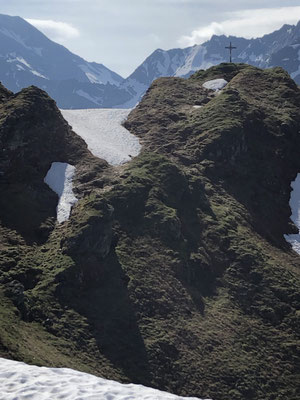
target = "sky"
x: 121, y: 33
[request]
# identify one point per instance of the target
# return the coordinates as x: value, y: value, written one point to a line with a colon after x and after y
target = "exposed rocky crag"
x: 172, y: 270
x: 279, y: 48
x: 33, y: 135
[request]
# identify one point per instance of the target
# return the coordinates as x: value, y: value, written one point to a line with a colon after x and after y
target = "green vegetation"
x: 172, y: 270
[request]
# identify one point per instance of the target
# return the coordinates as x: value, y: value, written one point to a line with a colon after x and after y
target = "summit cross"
x: 230, y: 50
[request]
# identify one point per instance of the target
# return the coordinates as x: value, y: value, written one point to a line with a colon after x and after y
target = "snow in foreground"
x: 59, y: 178
x: 105, y: 136
x: 19, y: 381
x: 295, y: 217
x: 215, y: 84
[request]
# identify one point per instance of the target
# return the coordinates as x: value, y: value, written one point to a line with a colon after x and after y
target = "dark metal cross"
x: 230, y: 50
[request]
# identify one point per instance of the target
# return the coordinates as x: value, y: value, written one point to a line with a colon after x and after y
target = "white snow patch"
x: 259, y: 59
x: 24, y: 62
x: 14, y: 36
x: 133, y: 86
x: 98, y: 74
x: 92, y: 78
x: 256, y: 58
x: 38, y: 74
x: 20, y: 381
x: 295, y: 217
x: 196, y: 106
x: 102, y: 131
x: 18, y: 59
x: 176, y: 62
x: 59, y: 178
x: 215, y: 84
x: 84, y: 94
x: 20, y: 68
x: 194, y: 61
x: 21, y: 59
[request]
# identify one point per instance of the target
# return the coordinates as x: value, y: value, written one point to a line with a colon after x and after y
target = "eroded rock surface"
x: 173, y: 270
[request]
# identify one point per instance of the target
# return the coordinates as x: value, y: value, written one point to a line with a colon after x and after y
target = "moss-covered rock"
x: 172, y: 270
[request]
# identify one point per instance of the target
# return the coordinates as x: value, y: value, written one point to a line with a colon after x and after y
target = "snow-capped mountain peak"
x: 260, y: 52
x: 27, y: 57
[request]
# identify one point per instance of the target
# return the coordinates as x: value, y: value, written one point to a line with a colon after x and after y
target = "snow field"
x: 295, y: 217
x: 59, y: 178
x: 19, y: 381
x: 215, y: 84
x: 105, y: 136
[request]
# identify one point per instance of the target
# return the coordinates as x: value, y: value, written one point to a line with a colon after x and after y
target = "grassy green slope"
x: 175, y: 272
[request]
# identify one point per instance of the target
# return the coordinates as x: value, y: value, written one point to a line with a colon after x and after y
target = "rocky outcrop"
x: 89, y: 239
x: 172, y: 270
x: 33, y: 134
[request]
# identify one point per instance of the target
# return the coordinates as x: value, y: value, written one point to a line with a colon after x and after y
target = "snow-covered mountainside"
x: 28, y: 57
x: 20, y: 381
x: 280, y: 48
x: 289, y: 59
x: 106, y: 138
x: 104, y: 134
x: 172, y: 271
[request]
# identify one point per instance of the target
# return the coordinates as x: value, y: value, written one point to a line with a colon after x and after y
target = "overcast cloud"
x: 122, y: 33
x: 58, y: 31
x: 246, y: 23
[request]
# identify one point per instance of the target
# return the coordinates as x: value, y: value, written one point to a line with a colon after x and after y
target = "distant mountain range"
x: 28, y: 57
x: 280, y: 48
x: 173, y: 272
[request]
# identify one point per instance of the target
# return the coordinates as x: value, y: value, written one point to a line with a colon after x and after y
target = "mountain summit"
x: 279, y: 48
x: 28, y: 57
x: 24, y: 49
x: 172, y: 270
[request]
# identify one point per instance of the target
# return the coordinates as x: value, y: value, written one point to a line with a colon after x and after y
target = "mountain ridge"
x: 30, y: 38
x: 29, y: 57
x: 172, y: 270
x: 213, y: 52
x: 76, y: 83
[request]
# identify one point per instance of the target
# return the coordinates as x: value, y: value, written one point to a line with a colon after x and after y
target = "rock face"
x: 27, y: 57
x: 89, y: 241
x: 172, y: 270
x: 279, y: 48
x: 33, y: 135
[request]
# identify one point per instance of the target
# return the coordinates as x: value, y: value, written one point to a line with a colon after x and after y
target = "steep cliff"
x: 172, y: 270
